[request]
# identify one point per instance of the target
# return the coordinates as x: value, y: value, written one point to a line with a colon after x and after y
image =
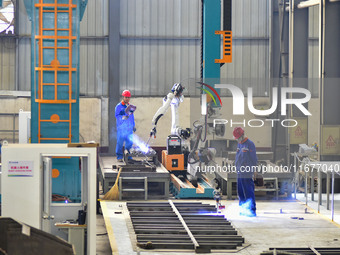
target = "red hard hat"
x: 126, y: 93
x: 238, y: 132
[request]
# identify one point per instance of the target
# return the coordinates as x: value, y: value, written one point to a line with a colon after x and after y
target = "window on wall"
x: 7, y: 17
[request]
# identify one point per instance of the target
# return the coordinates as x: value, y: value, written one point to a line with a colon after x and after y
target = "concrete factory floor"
x: 102, y: 243
x: 269, y: 229
x: 323, y: 207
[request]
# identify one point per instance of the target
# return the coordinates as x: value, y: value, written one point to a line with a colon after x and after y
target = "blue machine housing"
x: 211, y: 43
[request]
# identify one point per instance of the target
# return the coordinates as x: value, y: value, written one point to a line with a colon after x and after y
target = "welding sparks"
x: 234, y: 211
x: 218, y: 214
x: 245, y: 209
x: 140, y: 144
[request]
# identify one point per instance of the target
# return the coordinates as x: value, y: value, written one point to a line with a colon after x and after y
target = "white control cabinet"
x: 26, y: 187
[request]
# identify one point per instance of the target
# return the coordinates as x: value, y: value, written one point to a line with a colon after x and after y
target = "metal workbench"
x: 231, y: 177
x: 158, y: 179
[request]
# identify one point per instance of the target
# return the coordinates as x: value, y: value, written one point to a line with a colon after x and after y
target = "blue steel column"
x: 211, y: 42
x: 68, y: 183
x: 50, y: 128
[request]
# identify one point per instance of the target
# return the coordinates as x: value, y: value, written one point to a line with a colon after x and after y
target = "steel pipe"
x: 306, y: 4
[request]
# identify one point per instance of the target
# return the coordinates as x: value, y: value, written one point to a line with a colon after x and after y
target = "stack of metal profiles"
x: 304, y: 251
x: 139, y: 156
x: 168, y: 225
x: 136, y: 152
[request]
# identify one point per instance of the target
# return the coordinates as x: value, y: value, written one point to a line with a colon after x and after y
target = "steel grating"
x: 197, y: 226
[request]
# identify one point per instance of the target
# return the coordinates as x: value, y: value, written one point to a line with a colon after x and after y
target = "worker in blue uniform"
x: 125, y: 125
x: 246, y: 165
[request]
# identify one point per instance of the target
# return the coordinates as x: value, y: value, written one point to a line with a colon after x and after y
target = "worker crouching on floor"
x: 125, y: 124
x: 246, y: 163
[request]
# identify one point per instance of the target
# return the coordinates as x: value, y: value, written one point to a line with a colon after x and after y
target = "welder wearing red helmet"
x: 125, y: 124
x: 246, y: 163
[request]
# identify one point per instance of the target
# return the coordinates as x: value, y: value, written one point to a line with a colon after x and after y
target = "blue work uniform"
x: 246, y: 163
x: 125, y: 127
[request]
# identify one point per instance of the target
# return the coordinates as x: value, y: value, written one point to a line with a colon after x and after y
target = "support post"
x: 114, y: 56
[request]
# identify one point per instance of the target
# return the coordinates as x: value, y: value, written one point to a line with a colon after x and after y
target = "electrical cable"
x: 205, y: 129
x: 191, y: 153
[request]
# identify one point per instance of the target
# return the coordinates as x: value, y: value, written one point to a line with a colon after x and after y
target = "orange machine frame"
x: 227, y: 46
x: 167, y: 161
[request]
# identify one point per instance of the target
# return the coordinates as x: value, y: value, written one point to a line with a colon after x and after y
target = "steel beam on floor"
x: 157, y: 227
x: 304, y: 251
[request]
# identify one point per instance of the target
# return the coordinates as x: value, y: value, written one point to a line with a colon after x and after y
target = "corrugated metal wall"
x: 24, y: 49
x: 94, y: 60
x: 93, y: 52
x: 250, y: 27
x: 7, y: 63
x: 160, y: 45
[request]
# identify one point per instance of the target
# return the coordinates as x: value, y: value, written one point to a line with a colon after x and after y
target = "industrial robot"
x: 174, y: 158
x: 173, y: 99
x: 198, y: 156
